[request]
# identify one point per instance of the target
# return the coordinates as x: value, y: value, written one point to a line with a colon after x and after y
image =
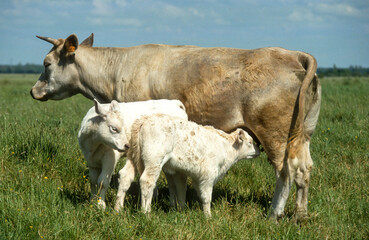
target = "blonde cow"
x: 273, y: 93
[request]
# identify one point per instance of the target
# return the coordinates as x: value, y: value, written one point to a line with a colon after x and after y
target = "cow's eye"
x: 47, y: 65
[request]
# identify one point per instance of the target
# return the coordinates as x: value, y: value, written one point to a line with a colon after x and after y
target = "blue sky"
x: 335, y: 32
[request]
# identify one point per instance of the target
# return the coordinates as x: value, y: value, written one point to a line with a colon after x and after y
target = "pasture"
x: 44, y: 188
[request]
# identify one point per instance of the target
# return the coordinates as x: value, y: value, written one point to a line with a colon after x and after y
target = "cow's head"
x: 60, y: 78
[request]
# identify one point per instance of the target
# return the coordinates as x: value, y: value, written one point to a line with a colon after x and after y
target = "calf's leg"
x: 180, y: 181
x: 108, y: 161
x: 94, y: 175
x: 126, y: 177
x: 147, y: 183
x: 172, y: 189
x: 204, y: 191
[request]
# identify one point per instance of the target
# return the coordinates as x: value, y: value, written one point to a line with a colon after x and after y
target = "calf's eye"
x: 114, y: 129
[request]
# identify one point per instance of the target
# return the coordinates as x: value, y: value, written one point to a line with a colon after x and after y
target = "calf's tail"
x: 134, y: 152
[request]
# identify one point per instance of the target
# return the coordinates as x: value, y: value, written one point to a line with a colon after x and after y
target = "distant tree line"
x: 27, y: 68
x: 355, y: 71
x: 334, y: 71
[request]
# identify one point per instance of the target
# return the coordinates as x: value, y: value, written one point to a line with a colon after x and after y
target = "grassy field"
x: 44, y: 189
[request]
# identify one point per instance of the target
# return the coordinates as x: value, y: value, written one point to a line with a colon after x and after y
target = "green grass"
x: 44, y: 189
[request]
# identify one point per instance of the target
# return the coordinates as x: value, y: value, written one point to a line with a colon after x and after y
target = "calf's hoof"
x: 301, y: 217
x: 101, y: 204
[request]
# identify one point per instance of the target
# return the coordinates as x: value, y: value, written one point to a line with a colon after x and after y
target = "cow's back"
x: 224, y: 87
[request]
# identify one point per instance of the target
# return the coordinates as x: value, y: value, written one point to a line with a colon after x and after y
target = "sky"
x: 334, y: 32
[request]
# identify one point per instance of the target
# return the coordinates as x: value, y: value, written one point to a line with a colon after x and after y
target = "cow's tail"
x: 134, y: 152
x: 298, y: 134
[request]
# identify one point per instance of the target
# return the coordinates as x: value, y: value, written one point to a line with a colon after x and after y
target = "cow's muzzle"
x: 42, y: 98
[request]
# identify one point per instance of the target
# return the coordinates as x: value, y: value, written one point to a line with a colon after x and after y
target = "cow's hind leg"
x: 296, y: 167
x: 282, y: 190
x: 303, y: 165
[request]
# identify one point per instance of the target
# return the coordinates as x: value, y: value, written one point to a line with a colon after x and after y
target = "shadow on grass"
x: 32, y: 147
x: 162, y: 200
x: 76, y: 197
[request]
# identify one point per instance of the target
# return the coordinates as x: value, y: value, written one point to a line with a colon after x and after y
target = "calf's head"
x: 245, y: 144
x: 110, y: 130
x: 60, y: 77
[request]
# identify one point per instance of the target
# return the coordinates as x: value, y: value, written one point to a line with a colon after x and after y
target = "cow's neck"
x: 99, y: 69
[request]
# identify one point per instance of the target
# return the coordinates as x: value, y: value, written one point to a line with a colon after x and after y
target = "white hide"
x: 100, y: 152
x: 182, y: 148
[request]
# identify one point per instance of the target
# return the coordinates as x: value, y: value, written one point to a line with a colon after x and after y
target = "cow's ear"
x: 71, y: 44
x: 88, y: 42
x: 99, y: 109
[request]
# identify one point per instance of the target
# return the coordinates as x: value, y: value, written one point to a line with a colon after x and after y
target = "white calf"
x: 103, y: 148
x: 182, y: 148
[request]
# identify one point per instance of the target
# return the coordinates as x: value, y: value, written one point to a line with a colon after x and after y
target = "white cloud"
x: 220, y: 21
x: 128, y: 22
x: 102, y: 7
x: 121, y: 3
x: 195, y: 12
x: 133, y: 22
x: 339, y: 9
x: 179, y: 12
x: 304, y: 15
x: 174, y: 11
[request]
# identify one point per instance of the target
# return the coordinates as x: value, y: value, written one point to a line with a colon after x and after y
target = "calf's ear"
x: 114, y: 106
x: 99, y: 109
x: 241, y: 136
x: 71, y: 44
